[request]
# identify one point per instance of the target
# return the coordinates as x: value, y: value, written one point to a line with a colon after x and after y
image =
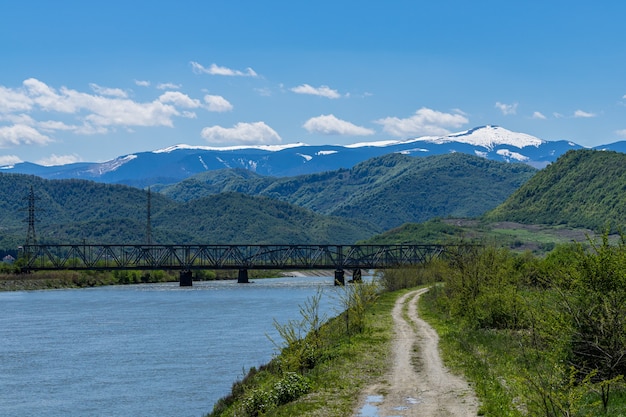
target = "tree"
x: 595, y: 305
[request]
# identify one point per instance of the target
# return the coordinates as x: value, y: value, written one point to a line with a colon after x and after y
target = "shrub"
x: 289, y: 388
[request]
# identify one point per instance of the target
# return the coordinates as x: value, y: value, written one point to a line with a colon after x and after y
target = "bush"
x: 402, y: 278
x: 289, y: 388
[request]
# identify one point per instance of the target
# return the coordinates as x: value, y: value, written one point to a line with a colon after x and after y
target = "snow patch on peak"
x: 270, y: 148
x: 306, y: 157
x: 380, y: 144
x: 322, y: 153
x: 508, y: 155
x: 112, y: 165
x: 485, y: 136
x: 203, y: 163
x: 491, y: 136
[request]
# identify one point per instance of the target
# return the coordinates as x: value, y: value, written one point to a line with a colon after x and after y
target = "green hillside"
x: 74, y: 211
x: 583, y: 188
x: 388, y: 191
x: 238, y: 218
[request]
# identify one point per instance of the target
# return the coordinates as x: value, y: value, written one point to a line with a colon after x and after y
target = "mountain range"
x: 385, y: 191
x: 176, y: 163
x: 237, y: 205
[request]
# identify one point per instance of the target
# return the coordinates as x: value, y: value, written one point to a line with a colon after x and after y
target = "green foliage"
x: 355, y: 300
x: 347, y: 363
x: 73, y: 211
x: 596, y: 308
x: 484, y: 287
x: 301, y: 344
x: 549, y: 333
x: 262, y: 400
x: 583, y: 188
x: 387, y: 191
x: 433, y: 231
x: 237, y: 218
x: 403, y: 278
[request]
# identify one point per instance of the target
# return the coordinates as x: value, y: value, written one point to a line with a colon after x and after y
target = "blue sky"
x: 93, y: 80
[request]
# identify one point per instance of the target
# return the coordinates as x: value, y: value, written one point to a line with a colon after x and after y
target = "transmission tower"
x: 148, y: 221
x: 31, y: 236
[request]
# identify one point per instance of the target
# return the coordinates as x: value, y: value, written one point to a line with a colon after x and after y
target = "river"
x: 141, y: 350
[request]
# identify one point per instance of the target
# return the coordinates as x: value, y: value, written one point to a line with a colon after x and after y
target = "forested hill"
x: 76, y: 211
x: 583, y: 188
x: 237, y: 206
x: 389, y: 190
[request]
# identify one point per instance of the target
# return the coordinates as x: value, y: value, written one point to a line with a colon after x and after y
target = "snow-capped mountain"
x: 173, y: 164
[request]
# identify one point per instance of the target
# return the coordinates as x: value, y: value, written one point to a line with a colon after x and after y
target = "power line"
x: 31, y: 236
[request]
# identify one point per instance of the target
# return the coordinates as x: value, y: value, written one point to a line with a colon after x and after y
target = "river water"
x: 142, y: 350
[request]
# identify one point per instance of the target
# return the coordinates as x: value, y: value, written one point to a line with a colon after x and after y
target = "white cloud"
x: 256, y: 133
x: 105, y: 91
x: 217, y: 70
x: 51, y: 125
x: 557, y: 115
x: 217, y: 103
x: 180, y: 99
x: 18, y: 119
x: 538, y: 115
x: 621, y: 133
x: 264, y: 92
x: 9, y: 160
x: 14, y: 101
x: 330, y: 125
x: 507, y: 109
x: 129, y: 113
x: 424, y: 122
x: 97, y: 111
x: 583, y: 114
x: 47, y: 98
x: 104, y: 111
x: 168, y: 86
x: 189, y: 114
x: 21, y: 135
x: 142, y: 83
x: 59, y: 160
x: 323, y: 91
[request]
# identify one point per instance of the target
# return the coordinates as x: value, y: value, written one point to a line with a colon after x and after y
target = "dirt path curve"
x: 418, y: 384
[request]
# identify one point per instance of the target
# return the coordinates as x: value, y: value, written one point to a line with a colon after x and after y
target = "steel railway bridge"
x: 187, y: 258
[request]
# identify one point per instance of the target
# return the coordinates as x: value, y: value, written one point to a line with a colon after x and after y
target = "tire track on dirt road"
x: 418, y: 383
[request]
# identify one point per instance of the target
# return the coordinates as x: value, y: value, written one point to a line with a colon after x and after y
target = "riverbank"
x: 48, y: 280
x: 336, y: 363
x: 392, y: 365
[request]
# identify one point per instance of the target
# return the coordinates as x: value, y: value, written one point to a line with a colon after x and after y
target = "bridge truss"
x: 190, y: 257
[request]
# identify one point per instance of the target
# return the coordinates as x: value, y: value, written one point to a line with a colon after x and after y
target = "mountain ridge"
x: 175, y: 163
x: 387, y: 190
x: 584, y: 188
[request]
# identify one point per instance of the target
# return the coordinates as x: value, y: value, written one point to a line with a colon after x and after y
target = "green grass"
x: 499, y: 368
x: 349, y: 364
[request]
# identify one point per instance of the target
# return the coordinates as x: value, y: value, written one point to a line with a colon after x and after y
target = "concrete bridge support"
x: 242, y: 278
x: 186, y: 278
x: 339, y: 277
x: 356, y: 275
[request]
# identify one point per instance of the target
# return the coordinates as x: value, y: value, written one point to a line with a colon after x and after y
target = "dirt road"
x: 418, y: 384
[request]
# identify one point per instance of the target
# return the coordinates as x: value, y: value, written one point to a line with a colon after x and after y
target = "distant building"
x: 8, y: 259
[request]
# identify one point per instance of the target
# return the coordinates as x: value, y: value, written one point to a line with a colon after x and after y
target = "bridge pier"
x: 339, y: 277
x: 186, y: 278
x: 242, y: 277
x: 357, y: 275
